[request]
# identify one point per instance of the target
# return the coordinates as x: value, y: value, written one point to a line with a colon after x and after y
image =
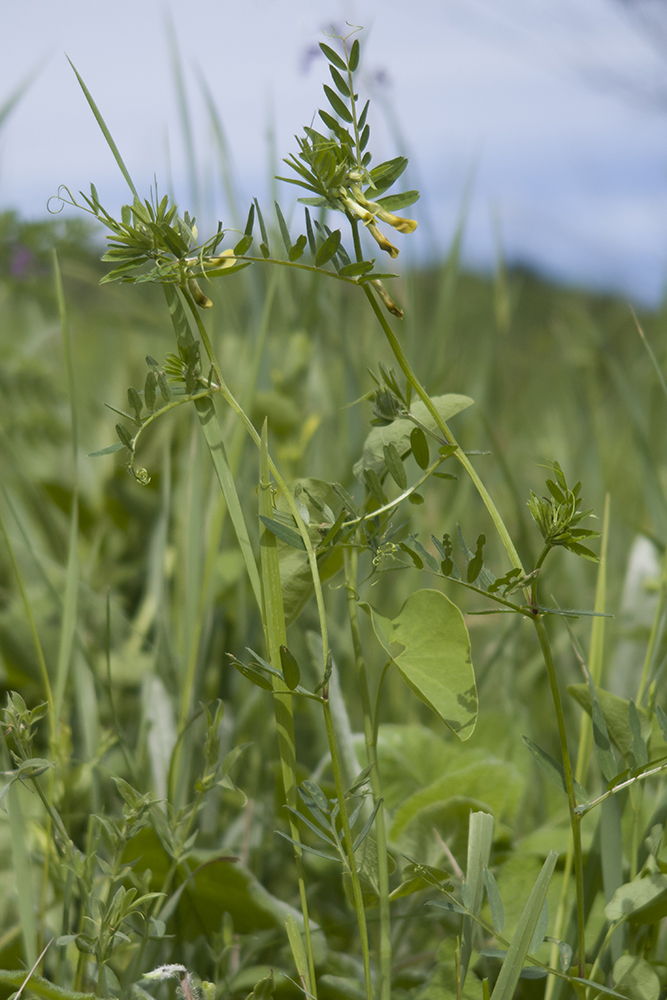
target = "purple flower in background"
x: 21, y: 260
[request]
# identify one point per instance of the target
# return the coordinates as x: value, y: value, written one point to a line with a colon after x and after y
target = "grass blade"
x: 184, y: 113
x: 105, y: 131
x: 518, y: 949
x: 8, y: 106
x: 23, y: 873
x: 214, y: 438
x: 299, y: 954
x: 70, y: 604
x: 480, y: 838
x: 276, y: 636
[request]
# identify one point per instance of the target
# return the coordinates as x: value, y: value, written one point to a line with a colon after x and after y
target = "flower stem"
x: 351, y: 558
x: 575, y: 818
x: 349, y: 848
x: 459, y: 454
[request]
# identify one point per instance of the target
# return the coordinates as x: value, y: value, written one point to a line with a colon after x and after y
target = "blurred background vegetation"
x: 556, y: 374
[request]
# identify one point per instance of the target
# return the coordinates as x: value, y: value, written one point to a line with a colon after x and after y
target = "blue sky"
x: 513, y: 102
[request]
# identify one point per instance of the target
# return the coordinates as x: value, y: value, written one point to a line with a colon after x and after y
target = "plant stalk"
x: 575, y: 818
x: 349, y: 847
x: 351, y: 559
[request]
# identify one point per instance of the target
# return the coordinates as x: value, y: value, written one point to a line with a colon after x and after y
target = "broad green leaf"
x: 398, y: 433
x: 616, y: 713
x: 217, y: 885
x: 603, y: 749
x: 636, y: 978
x: 354, y: 55
x: 642, y: 901
x: 516, y: 955
x: 639, y: 750
x: 430, y: 645
x: 411, y: 758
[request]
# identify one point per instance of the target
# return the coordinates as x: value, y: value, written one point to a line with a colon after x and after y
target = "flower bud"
x: 399, y: 223
x: 202, y: 300
x: 225, y: 259
x: 381, y: 239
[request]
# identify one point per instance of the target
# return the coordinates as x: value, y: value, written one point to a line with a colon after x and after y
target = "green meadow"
x: 338, y: 671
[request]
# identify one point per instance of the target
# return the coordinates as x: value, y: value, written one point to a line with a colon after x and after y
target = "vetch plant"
x: 143, y: 889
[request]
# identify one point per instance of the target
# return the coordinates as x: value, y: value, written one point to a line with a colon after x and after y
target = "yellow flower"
x: 402, y: 225
x: 355, y: 202
x: 381, y: 239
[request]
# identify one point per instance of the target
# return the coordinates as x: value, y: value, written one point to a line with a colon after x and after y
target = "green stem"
x: 575, y: 818
x: 351, y: 559
x: 273, y: 616
x: 213, y: 434
x: 459, y: 454
x: 282, y: 485
x: 349, y: 848
x: 619, y: 788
